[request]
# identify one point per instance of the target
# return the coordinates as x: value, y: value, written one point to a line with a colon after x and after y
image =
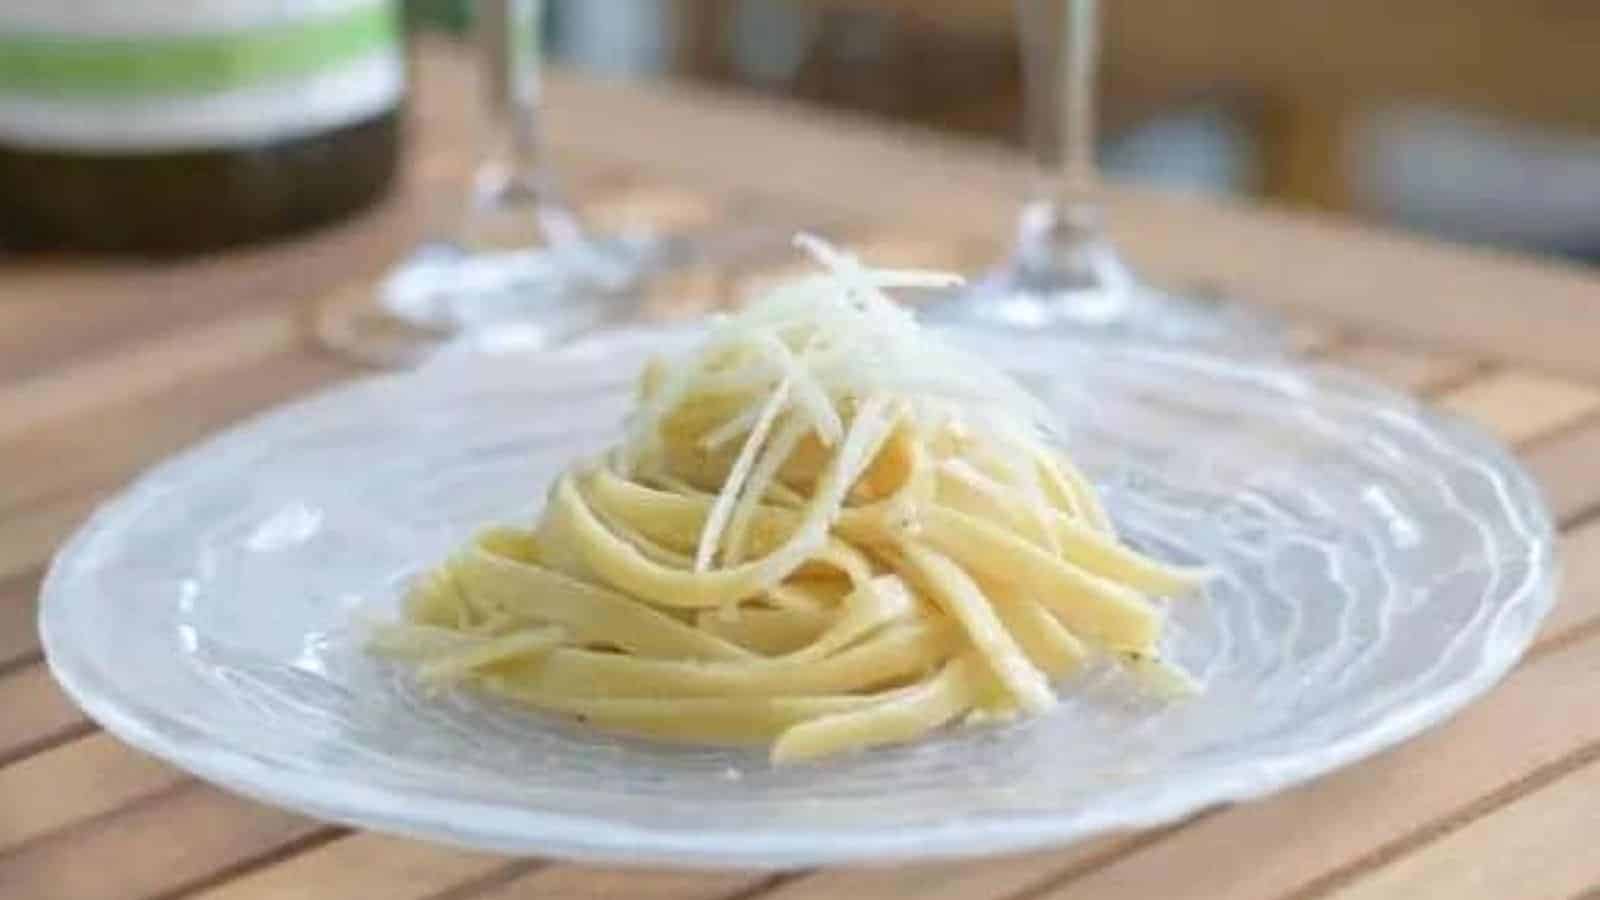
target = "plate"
x: 1382, y: 565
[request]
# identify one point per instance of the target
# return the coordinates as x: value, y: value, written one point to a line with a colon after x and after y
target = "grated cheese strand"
x: 712, y: 535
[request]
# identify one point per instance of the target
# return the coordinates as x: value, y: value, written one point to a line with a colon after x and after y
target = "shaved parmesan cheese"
x: 809, y: 354
x: 723, y: 507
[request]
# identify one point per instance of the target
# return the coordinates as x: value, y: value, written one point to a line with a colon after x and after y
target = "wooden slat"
x: 1518, y: 406
x: 31, y: 533
x: 73, y: 467
x: 361, y: 865
x: 83, y: 779
x: 55, y: 315
x: 106, y: 381
x: 1565, y: 467
x: 73, y: 455
x: 151, y: 848
x: 36, y: 713
x: 1541, y: 847
x: 1579, y: 605
x: 19, y: 638
x: 1005, y: 876
x: 605, y: 883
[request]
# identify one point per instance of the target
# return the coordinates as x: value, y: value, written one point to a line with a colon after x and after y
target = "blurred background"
x: 1477, y: 120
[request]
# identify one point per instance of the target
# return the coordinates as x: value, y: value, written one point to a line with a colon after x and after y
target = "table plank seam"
x: 48, y: 741
x: 23, y: 589
x: 766, y: 885
x: 161, y: 361
x: 174, y: 419
x: 1133, y: 843
x: 1477, y: 370
x: 132, y: 806
x: 1484, y: 806
x: 1564, y: 430
x: 269, y: 857
x: 18, y: 663
x: 514, y: 871
x: 96, y: 483
x: 1579, y: 517
x: 38, y: 535
x: 1576, y: 633
x: 489, y: 881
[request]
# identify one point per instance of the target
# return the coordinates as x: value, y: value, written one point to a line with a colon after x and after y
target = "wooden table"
x: 105, y: 368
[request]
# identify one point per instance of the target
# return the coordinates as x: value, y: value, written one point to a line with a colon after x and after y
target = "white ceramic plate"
x: 1382, y: 566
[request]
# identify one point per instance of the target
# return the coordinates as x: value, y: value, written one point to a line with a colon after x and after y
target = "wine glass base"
x: 446, y: 299
x: 1130, y: 311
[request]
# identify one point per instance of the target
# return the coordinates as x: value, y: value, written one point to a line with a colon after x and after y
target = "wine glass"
x: 519, y: 269
x: 1063, y: 273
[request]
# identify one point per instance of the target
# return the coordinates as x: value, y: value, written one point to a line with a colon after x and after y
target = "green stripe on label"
x: 50, y: 66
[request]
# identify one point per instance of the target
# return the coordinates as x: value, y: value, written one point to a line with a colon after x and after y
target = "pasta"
x: 824, y: 530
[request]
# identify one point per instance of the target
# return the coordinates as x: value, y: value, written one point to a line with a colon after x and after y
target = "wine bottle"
x: 189, y: 125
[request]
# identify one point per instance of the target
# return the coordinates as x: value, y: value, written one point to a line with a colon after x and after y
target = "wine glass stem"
x: 1060, y: 42
x: 513, y: 173
x: 508, y: 54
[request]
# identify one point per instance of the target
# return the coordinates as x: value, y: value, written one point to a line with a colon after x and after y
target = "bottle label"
x: 129, y: 77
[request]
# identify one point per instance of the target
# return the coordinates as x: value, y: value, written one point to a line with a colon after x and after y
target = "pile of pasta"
x: 823, y: 530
